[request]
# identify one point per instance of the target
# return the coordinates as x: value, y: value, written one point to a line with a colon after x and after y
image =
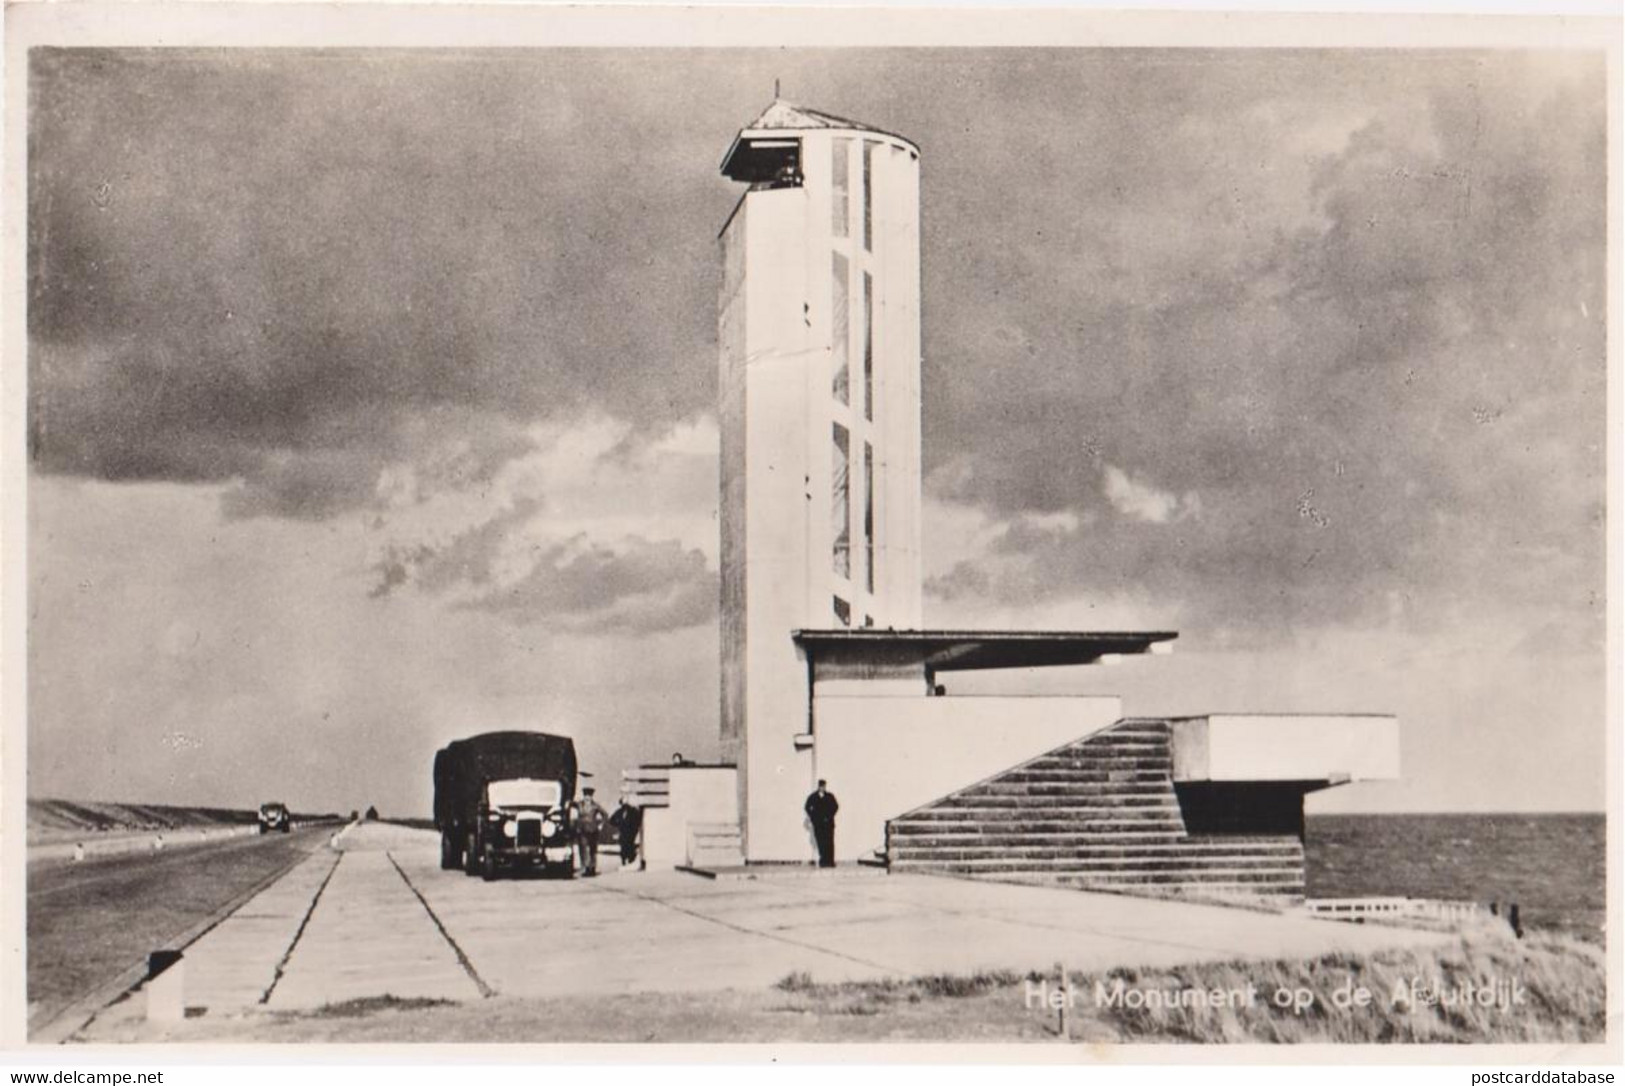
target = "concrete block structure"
x: 827, y: 671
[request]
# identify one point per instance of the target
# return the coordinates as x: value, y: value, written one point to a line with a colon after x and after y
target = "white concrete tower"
x: 819, y: 325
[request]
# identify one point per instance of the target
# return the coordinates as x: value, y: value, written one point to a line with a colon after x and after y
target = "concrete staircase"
x: 1100, y: 813
x: 715, y: 844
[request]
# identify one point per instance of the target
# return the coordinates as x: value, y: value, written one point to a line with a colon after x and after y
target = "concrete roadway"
x: 91, y: 925
x: 379, y: 918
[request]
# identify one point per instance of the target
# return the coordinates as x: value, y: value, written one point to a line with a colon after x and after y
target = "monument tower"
x: 820, y: 389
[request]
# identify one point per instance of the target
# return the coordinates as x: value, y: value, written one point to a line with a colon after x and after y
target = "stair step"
x: 1084, y: 846
x: 1090, y: 759
x: 1078, y: 814
x: 1158, y: 743
x: 1060, y: 864
x: 1048, y: 839
x: 1085, y: 774
x: 1161, y: 790
x: 1122, y: 879
x: 1030, y: 796
x: 1128, y: 879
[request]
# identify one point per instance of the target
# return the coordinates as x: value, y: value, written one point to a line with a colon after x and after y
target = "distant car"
x: 274, y: 816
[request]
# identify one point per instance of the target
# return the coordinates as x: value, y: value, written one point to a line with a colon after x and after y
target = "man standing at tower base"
x: 821, y: 807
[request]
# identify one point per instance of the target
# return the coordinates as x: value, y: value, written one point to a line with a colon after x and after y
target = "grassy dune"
x: 1562, y: 983
x: 1562, y: 980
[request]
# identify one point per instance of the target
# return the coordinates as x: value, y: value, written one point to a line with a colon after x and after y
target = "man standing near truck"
x: 589, y: 823
x: 627, y: 820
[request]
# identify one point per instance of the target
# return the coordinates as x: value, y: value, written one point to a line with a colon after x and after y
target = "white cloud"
x: 585, y: 486
x: 1139, y: 499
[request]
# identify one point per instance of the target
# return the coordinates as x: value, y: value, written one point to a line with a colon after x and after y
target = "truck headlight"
x: 549, y: 828
x: 510, y: 828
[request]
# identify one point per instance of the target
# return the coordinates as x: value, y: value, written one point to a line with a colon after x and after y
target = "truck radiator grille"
x: 530, y: 832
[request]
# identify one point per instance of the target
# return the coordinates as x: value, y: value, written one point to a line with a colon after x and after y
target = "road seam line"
x: 754, y: 931
x: 282, y: 965
x: 486, y: 991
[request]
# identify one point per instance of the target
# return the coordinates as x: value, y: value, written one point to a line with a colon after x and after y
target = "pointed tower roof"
x: 782, y: 114
x: 782, y: 117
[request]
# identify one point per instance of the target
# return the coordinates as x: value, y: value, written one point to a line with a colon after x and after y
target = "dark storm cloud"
x: 1289, y: 333
x: 271, y: 267
x: 1378, y: 368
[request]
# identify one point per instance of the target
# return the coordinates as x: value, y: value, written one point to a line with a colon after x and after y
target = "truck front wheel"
x: 471, y: 856
x: 450, y: 858
x: 488, y: 865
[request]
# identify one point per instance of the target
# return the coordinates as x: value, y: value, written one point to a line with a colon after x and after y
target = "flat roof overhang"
x: 979, y: 650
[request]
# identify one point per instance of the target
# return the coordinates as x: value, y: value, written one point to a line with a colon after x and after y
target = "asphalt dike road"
x: 91, y: 925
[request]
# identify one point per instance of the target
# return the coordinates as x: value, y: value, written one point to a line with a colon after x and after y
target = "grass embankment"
x: 52, y: 820
x: 1562, y: 981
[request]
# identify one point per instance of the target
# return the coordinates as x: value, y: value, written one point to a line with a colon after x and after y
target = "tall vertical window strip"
x: 869, y: 515
x: 868, y: 346
x: 840, y: 512
x: 840, y: 187
x: 868, y: 196
x: 840, y: 327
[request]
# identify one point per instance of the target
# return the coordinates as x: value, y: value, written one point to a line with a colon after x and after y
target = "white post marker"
x: 1066, y: 997
x: 166, y: 986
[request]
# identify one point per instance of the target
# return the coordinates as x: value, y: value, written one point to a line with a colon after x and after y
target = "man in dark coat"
x: 627, y: 820
x: 821, y: 807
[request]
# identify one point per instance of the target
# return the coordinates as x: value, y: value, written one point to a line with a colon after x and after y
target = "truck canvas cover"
x: 465, y: 765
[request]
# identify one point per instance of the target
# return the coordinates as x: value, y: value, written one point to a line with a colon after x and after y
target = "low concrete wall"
x: 885, y: 755
x: 1237, y: 747
x: 115, y: 844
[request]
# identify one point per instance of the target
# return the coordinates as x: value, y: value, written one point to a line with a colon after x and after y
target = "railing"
x: 647, y: 786
x: 1356, y: 908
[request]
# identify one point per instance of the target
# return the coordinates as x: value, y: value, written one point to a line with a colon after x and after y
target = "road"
x: 91, y: 922
x: 377, y: 920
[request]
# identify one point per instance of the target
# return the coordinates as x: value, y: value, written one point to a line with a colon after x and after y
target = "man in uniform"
x: 628, y: 820
x: 821, y: 807
x: 589, y: 821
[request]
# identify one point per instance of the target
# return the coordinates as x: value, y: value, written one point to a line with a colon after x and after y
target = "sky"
x: 372, y: 398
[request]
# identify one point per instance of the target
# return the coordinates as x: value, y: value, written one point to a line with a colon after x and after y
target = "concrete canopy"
x: 975, y: 650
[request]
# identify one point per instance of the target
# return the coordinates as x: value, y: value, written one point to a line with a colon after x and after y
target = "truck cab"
x: 524, y: 823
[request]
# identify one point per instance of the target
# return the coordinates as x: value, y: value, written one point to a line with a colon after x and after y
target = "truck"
x: 503, y: 801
